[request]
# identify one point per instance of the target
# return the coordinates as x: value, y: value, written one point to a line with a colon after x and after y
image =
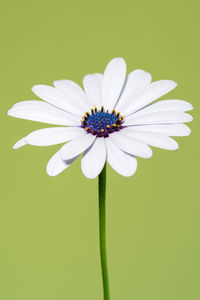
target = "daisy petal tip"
x: 19, y: 144
x: 149, y: 154
x: 88, y: 173
x: 12, y: 112
x: 51, y: 169
x: 117, y: 61
x: 36, y: 86
x: 189, y: 118
x: 170, y: 82
x: 121, y: 60
x: 56, y: 82
x: 188, y: 131
x: 175, y: 146
x: 173, y: 83
x: 127, y: 175
x: 89, y: 176
x: 36, y: 89
x: 190, y: 106
x: 50, y: 173
x: 9, y: 112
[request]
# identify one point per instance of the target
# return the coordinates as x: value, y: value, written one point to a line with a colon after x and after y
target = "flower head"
x: 112, y: 119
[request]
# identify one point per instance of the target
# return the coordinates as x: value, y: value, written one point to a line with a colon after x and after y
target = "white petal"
x: 94, y: 159
x: 92, y: 84
x: 158, y: 118
x: 164, y: 106
x: 43, y: 112
x: 135, y: 83
x: 152, y: 92
x: 20, y: 143
x: 130, y: 144
x: 73, y: 92
x: 76, y: 147
x: 113, y: 81
x: 53, y: 136
x: 122, y: 162
x: 56, y: 165
x: 57, y: 98
x: 167, y: 129
x: 153, y: 139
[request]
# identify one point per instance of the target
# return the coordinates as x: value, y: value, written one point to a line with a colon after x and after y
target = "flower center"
x: 101, y: 122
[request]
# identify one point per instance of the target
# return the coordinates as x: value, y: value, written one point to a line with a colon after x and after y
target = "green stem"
x: 102, y: 231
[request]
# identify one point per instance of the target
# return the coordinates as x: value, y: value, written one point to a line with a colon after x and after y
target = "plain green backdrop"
x: 49, y: 226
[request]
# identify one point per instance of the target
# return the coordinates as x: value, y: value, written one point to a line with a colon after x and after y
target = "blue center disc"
x: 101, y: 123
x: 100, y: 120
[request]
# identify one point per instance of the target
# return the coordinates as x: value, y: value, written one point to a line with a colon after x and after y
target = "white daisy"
x: 112, y: 119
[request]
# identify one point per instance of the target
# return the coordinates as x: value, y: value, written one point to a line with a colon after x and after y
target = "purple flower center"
x: 101, y: 122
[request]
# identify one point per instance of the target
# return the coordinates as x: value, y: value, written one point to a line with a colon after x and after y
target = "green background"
x: 49, y: 226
